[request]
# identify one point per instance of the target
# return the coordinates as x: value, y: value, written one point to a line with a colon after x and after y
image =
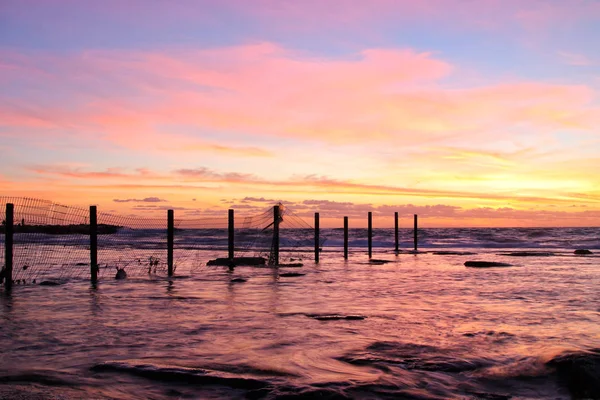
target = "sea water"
x: 421, y: 326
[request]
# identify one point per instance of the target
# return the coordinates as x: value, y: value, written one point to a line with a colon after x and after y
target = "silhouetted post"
x: 370, y: 234
x: 276, y: 235
x: 317, y: 237
x: 230, y: 242
x: 415, y: 232
x: 8, y: 245
x: 94, y: 244
x: 345, y: 238
x: 396, y: 231
x: 170, y: 240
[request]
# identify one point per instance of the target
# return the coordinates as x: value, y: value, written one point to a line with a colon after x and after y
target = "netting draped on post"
x: 139, y: 245
x: 50, y: 240
x: 296, y: 236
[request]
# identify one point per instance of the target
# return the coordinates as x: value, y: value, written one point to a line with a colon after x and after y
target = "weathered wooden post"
x: 370, y: 234
x: 170, y: 240
x: 396, y: 232
x: 8, y: 245
x: 317, y: 237
x: 415, y: 232
x: 275, y: 244
x: 230, y: 240
x: 93, y: 244
x: 345, y: 238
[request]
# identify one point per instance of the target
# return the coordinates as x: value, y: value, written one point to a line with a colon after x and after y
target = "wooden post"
x: 345, y: 238
x: 316, y: 237
x: 415, y: 232
x: 230, y: 241
x: 8, y: 245
x: 370, y: 234
x: 396, y: 231
x: 170, y: 240
x: 276, y: 235
x: 93, y: 244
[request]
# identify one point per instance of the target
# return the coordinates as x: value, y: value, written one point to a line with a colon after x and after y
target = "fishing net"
x: 296, y: 237
x: 52, y: 241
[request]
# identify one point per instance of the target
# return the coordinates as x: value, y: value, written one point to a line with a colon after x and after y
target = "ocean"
x: 418, y: 326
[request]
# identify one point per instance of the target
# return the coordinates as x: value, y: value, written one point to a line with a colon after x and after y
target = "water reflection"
x: 431, y: 328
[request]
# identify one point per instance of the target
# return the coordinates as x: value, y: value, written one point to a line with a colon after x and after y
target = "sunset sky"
x: 467, y: 112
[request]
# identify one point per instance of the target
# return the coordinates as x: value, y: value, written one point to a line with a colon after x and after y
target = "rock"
x: 486, y: 264
x: 376, y: 261
x: 291, y: 274
x: 49, y: 283
x: 334, y: 317
x: 528, y: 254
x: 226, y: 262
x: 582, y: 251
x: 580, y: 372
x: 453, y: 253
x: 121, y: 274
x: 238, y: 280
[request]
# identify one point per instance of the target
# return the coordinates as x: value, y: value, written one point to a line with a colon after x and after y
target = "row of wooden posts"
x: 9, y: 232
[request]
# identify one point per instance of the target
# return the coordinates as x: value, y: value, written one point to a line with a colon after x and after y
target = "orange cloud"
x: 198, y: 178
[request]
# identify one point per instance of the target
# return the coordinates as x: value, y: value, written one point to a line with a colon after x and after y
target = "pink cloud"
x: 262, y: 89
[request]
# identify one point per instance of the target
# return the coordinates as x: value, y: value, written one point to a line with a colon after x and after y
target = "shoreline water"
x: 429, y: 328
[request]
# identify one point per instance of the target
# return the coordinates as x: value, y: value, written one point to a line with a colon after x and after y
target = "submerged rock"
x: 238, y: 280
x: 291, y: 274
x: 49, y: 283
x: 453, y: 253
x: 486, y: 264
x: 291, y: 265
x: 528, y: 254
x: 226, y: 262
x: 580, y: 372
x: 121, y: 274
x: 376, y: 261
x: 582, y: 251
x: 333, y: 317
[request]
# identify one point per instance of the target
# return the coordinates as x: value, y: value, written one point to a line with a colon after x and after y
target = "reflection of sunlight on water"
x: 432, y: 326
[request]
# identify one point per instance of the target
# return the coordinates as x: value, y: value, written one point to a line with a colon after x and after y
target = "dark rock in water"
x: 334, y: 317
x: 291, y: 274
x: 238, y: 280
x: 291, y: 265
x: 583, y: 251
x: 49, y: 283
x: 121, y: 274
x: 80, y: 264
x: 226, y: 262
x: 486, y: 264
x: 376, y: 261
x: 580, y: 372
x: 453, y: 253
x: 528, y: 254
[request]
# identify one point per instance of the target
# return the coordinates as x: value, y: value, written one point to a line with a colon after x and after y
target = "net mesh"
x: 52, y: 242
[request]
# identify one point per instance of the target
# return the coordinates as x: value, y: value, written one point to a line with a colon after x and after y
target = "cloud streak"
x: 144, y: 200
